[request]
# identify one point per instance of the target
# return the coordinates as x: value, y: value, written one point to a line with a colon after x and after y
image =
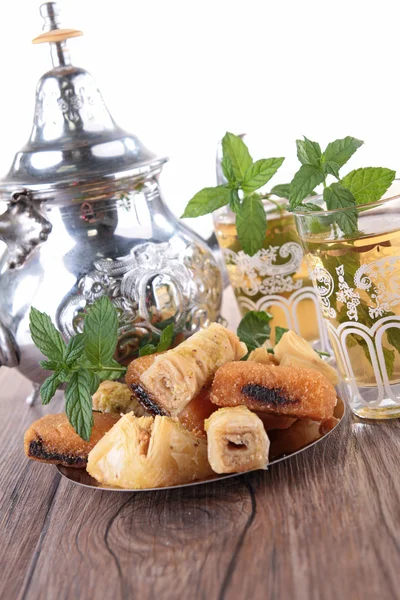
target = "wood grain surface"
x: 323, y: 525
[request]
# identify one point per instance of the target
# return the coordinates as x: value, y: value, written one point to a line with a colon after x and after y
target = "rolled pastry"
x: 148, y: 452
x: 175, y: 377
x: 237, y: 441
x: 290, y: 391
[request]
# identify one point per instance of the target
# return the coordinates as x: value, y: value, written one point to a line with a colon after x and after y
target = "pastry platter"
x: 283, y: 447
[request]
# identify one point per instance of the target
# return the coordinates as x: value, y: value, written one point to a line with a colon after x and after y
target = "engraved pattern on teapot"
x: 154, y: 285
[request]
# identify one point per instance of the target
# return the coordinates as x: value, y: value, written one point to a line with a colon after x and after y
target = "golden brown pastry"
x: 148, y: 452
x: 299, y: 435
x: 237, y: 441
x: 271, y: 421
x: 200, y: 408
x: 293, y: 350
x: 115, y: 397
x: 291, y: 391
x: 261, y: 355
x: 53, y: 440
x: 177, y: 376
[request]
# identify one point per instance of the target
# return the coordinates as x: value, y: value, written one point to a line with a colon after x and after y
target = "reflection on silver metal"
x: 34, y: 396
x: 8, y: 349
x: 82, y: 477
x: 86, y: 218
x: 23, y: 227
x: 74, y: 137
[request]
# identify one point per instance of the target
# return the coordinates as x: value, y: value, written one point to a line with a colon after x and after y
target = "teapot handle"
x: 9, y: 355
x: 22, y: 227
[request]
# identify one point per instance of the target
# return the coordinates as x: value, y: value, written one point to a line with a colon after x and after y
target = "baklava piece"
x: 237, y: 441
x: 148, y: 452
x: 177, y: 376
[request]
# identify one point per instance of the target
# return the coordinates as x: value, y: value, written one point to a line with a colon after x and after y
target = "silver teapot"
x: 85, y: 217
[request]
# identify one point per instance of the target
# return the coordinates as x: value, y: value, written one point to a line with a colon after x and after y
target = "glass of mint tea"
x: 357, y: 280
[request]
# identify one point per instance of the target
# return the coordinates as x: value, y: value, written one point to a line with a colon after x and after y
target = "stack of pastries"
x: 195, y: 410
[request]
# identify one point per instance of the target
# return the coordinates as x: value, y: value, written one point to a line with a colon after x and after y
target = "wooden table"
x: 323, y: 525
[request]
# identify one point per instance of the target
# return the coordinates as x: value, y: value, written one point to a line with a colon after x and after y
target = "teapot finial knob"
x: 54, y: 35
x: 50, y: 14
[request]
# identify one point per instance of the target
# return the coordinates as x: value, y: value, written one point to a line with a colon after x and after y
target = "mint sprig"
x: 358, y: 187
x: 243, y: 177
x: 84, y: 362
x: 165, y: 342
x: 254, y: 329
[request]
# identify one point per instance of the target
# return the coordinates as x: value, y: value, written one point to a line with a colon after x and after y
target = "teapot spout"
x: 22, y: 228
x: 9, y: 354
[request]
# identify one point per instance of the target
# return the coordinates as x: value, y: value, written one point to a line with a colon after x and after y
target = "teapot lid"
x: 75, y: 147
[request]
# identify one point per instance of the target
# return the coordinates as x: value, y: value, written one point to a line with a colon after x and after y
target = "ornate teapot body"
x: 86, y: 218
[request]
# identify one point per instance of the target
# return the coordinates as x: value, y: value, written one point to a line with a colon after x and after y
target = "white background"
x: 179, y: 73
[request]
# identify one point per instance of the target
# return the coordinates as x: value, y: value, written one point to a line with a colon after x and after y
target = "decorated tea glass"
x: 275, y: 279
x: 357, y: 279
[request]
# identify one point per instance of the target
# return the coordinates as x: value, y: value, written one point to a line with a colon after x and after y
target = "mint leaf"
x: 336, y: 196
x: 50, y: 365
x: 234, y: 202
x: 369, y: 184
x: 45, y: 336
x: 165, y: 342
x: 331, y: 168
x: 340, y: 151
x: 49, y: 388
x: 279, y: 331
x: 235, y: 148
x: 101, y: 332
x: 147, y: 349
x: 78, y: 405
x: 227, y: 169
x: 206, y: 201
x: 304, y: 181
x: 251, y: 224
x: 308, y: 152
x: 389, y: 356
x: 259, y: 173
x: 393, y: 337
x: 281, y: 190
x: 309, y: 207
x: 254, y: 329
x: 166, y: 338
x: 75, y: 349
x: 94, y: 381
x: 110, y: 373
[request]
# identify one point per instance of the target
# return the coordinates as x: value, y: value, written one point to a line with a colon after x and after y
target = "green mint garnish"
x: 236, y: 150
x: 101, y: 332
x: 251, y: 224
x: 85, y: 361
x: 78, y: 403
x: 244, y: 176
x: 165, y: 342
x: 359, y: 187
x: 254, y: 329
x: 279, y: 331
x: 340, y: 151
x: 337, y: 196
x: 45, y: 336
x: 208, y: 200
x: 368, y: 185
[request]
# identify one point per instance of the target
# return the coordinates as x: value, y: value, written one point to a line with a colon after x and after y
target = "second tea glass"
x: 357, y: 279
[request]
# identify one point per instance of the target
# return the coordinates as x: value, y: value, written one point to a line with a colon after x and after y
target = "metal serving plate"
x: 284, y: 444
